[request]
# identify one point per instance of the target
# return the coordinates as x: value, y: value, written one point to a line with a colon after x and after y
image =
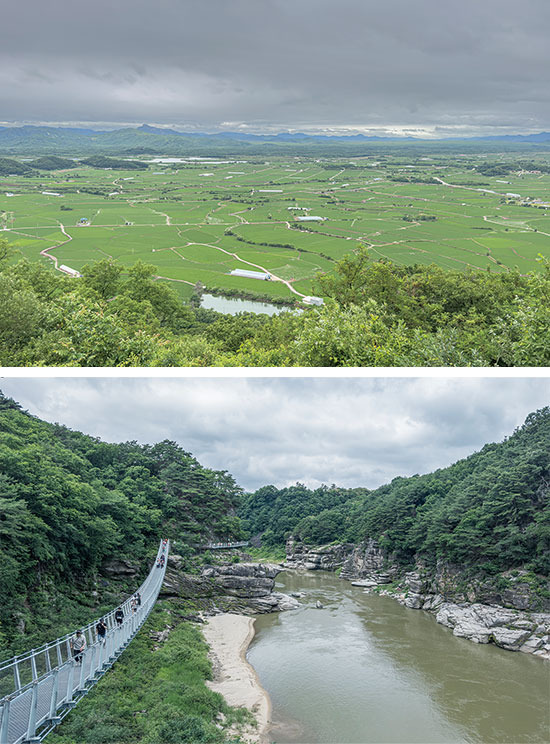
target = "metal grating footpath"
x: 41, y: 686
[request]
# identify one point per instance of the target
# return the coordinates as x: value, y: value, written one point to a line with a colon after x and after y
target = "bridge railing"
x: 218, y: 546
x: 41, y: 686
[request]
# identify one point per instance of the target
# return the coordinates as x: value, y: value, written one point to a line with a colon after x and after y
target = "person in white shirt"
x: 78, y: 646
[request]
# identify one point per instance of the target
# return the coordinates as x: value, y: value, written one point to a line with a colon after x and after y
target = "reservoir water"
x: 232, y: 306
x: 365, y: 669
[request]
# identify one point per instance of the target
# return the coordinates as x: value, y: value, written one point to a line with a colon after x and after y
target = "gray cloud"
x: 286, y: 63
x: 353, y: 432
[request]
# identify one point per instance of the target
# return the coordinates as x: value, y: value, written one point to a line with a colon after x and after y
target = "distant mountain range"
x: 157, y: 140
x: 301, y: 136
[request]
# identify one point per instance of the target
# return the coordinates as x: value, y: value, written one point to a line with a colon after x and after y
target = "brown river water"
x: 365, y: 669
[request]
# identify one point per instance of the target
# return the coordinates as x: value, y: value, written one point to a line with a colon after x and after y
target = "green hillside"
x: 11, y: 167
x: 490, y: 511
x: 376, y: 314
x: 52, y: 162
x: 70, y: 502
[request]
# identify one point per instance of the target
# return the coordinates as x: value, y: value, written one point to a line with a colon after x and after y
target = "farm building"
x: 313, y: 300
x: 251, y: 274
x: 270, y: 191
x: 69, y: 271
x: 310, y: 218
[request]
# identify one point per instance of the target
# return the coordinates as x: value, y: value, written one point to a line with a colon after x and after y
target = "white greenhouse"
x: 251, y: 274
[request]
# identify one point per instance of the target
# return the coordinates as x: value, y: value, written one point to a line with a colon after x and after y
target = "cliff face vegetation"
x: 71, y: 506
x: 375, y: 314
x: 489, y: 512
x: 79, y: 518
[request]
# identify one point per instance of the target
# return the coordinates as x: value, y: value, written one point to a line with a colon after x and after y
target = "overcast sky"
x: 352, y: 432
x: 399, y: 65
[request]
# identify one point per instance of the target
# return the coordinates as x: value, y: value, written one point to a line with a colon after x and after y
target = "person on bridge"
x: 101, y: 630
x: 138, y: 598
x: 78, y: 646
x: 119, y: 616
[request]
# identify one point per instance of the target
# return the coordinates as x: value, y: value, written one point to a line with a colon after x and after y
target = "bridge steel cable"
x: 41, y: 686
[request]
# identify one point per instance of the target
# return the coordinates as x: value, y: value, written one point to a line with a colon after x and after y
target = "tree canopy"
x: 69, y: 502
x: 490, y: 510
x: 375, y: 314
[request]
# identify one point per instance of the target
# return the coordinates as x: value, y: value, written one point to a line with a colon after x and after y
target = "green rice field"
x: 197, y: 220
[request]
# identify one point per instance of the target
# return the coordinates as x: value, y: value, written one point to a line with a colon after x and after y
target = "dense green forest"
x: 375, y: 314
x: 101, y: 161
x: 490, y: 510
x: 10, y: 167
x: 70, y: 502
x: 275, y: 513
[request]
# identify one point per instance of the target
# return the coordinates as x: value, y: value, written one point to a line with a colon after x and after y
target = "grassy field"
x: 196, y: 220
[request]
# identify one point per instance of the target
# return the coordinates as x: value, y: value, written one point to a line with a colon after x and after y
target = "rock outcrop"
x: 119, y: 568
x: 323, y: 557
x: 510, y: 628
x: 246, y: 588
x: 503, y: 610
x: 365, y: 560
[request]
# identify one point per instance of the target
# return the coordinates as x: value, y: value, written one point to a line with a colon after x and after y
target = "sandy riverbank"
x: 229, y: 637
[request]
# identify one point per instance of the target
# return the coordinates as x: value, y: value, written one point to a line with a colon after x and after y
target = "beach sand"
x: 229, y: 637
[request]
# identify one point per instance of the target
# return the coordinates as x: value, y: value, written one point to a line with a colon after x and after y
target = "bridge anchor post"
x: 5, y: 721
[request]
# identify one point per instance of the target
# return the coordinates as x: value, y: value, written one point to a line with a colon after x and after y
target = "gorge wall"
x: 511, y: 610
x: 244, y: 588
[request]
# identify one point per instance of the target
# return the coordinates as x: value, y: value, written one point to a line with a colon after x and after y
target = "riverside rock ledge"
x: 521, y: 627
x: 244, y: 588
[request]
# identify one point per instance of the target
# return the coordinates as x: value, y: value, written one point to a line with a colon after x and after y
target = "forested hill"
x: 275, y: 513
x: 70, y: 502
x: 490, y: 510
x: 376, y: 314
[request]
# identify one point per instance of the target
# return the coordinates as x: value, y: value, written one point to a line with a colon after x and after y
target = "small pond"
x: 232, y: 306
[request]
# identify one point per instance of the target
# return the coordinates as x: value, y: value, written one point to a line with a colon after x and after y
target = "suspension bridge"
x: 41, y: 686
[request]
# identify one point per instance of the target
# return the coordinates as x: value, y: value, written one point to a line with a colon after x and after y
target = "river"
x: 365, y: 669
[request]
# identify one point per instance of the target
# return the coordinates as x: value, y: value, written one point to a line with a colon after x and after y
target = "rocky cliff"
x: 510, y: 610
x: 508, y: 627
x: 246, y: 588
x: 323, y: 557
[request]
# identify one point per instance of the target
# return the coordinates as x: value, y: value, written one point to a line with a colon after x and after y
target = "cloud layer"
x: 465, y: 67
x: 352, y: 432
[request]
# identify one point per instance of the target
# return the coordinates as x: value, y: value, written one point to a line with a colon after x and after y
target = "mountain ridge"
x: 29, y: 137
